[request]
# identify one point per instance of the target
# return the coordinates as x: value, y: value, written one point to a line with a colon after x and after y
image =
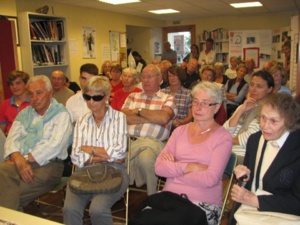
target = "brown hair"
x: 179, y: 72
x: 15, y: 74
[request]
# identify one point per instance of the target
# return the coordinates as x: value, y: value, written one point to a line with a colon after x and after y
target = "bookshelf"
x: 221, y: 44
x: 43, y: 42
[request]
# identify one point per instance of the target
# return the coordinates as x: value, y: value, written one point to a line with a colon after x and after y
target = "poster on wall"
x: 179, y: 44
x: 252, y: 53
x: 157, y: 49
x: 114, y: 46
x: 236, y: 43
x: 88, y: 42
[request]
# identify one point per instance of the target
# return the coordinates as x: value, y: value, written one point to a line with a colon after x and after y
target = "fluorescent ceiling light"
x: 163, y: 11
x: 246, y: 4
x: 118, y: 2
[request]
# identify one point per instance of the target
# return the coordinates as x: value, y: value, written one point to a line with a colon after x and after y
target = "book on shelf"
x: 46, y: 55
x: 217, y: 35
x: 38, y: 34
x: 41, y: 29
x: 60, y: 30
x: 222, y: 57
x: 47, y: 30
x: 54, y: 30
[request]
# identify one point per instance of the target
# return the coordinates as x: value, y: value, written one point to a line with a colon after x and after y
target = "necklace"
x: 203, y: 132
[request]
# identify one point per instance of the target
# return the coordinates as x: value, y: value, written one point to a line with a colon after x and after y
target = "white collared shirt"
x: 77, y: 106
x: 271, y: 152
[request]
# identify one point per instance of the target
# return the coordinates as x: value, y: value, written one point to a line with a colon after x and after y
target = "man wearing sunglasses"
x: 149, y: 117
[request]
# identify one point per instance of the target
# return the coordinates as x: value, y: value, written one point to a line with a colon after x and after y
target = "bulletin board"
x: 118, y: 47
x: 256, y: 44
x: 252, y: 53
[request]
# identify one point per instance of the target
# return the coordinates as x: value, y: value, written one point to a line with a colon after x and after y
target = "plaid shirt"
x: 183, y: 99
x: 157, y: 102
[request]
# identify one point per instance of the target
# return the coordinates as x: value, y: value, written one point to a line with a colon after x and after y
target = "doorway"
x: 181, y: 38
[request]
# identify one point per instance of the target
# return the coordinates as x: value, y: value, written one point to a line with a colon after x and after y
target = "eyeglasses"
x: 148, y: 77
x: 203, y: 104
x: 96, y: 98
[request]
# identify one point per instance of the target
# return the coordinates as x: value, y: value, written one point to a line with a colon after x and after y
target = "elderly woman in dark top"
x: 100, y: 136
x: 272, y: 161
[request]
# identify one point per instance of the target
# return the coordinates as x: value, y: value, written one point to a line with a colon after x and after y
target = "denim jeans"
x: 100, y: 207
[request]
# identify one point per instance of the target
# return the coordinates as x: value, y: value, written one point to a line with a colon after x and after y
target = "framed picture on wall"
x: 15, y: 23
x: 252, y: 53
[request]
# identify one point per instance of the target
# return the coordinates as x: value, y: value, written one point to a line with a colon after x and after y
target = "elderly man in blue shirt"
x: 35, y: 147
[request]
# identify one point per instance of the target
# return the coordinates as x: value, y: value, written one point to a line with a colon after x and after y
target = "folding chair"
x: 126, y: 195
x: 228, y: 172
x: 59, y: 187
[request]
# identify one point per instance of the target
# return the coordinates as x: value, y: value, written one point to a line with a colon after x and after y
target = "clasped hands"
x: 240, y: 194
x: 100, y: 154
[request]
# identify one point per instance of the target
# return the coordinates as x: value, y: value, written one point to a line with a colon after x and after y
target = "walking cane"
x: 235, y: 206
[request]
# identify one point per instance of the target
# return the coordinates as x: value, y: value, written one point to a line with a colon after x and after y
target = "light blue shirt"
x: 54, y: 141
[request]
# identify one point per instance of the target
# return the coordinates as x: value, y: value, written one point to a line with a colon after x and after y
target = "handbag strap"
x: 100, y: 179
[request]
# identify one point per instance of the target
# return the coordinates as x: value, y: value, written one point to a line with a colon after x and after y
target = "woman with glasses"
x: 272, y: 165
x: 196, y: 154
x: 100, y: 136
x: 279, y: 75
x: 243, y: 122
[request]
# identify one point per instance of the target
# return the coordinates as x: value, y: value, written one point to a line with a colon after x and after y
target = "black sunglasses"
x: 96, y: 98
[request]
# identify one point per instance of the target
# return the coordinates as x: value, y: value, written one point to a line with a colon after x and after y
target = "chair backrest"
x: 229, y: 172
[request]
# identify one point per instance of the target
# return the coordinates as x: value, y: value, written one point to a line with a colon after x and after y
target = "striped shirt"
x: 111, y: 135
x: 157, y: 102
x: 183, y: 99
x: 243, y: 137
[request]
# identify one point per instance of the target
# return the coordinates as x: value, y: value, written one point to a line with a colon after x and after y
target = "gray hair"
x: 133, y: 72
x: 43, y: 78
x: 99, y: 84
x: 155, y: 68
x: 210, y: 88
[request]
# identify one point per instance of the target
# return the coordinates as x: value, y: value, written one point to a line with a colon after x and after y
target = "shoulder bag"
x: 96, y: 179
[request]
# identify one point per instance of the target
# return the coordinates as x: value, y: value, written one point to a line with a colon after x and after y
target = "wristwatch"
x: 26, y: 157
x: 139, y: 111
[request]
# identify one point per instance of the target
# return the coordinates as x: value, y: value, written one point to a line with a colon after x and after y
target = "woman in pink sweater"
x: 195, y: 156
